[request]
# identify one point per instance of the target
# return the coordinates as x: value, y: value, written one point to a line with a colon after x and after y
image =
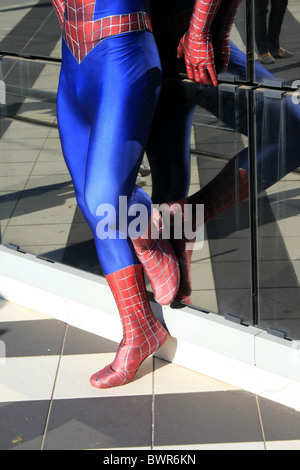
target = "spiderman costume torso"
x: 85, y: 23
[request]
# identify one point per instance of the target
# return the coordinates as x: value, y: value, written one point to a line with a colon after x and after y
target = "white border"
x: 245, y: 357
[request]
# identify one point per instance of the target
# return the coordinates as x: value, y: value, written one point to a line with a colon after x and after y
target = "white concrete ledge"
x: 244, y: 356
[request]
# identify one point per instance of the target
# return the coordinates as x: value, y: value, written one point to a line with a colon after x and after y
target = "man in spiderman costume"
x: 109, y: 86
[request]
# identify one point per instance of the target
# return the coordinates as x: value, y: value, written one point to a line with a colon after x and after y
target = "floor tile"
x: 202, y: 277
x: 22, y: 424
x: 292, y: 244
x: 24, y: 131
x: 52, y: 252
x: 205, y: 298
x: 76, y: 370
x: 82, y: 342
x: 40, y: 207
x: 53, y: 168
x: 17, y: 144
x: 215, y: 447
x: 12, y: 183
x: 10, y: 312
x: 8, y: 202
x: 280, y: 423
x: 170, y: 378
x: 46, y: 181
x: 36, y: 234
x: 206, y: 418
x: 50, y: 154
x: 19, y: 156
x: 27, y: 378
x: 34, y: 338
x: 98, y: 423
x: 15, y: 169
x: 283, y: 445
x: 292, y: 228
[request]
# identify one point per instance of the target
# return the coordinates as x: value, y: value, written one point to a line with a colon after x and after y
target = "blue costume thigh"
x: 105, y: 106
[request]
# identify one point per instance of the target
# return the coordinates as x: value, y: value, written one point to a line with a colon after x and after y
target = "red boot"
x: 142, y: 332
x: 159, y: 261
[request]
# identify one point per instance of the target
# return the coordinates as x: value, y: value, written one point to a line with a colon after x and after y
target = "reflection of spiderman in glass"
x: 109, y: 86
x: 168, y: 147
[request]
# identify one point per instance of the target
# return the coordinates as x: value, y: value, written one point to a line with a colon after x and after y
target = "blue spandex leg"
x: 168, y: 147
x: 105, y: 106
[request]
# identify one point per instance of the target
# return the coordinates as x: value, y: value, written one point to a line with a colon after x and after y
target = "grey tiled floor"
x: 46, y: 401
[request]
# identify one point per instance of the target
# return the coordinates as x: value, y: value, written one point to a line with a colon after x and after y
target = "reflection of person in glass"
x: 168, y: 147
x: 172, y: 125
x: 268, y: 29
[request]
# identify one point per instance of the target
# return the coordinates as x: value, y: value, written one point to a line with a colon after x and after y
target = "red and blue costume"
x: 109, y: 87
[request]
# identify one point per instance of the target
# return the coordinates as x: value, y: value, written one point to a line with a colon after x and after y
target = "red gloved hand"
x: 221, y: 30
x: 59, y: 6
x: 196, y: 45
